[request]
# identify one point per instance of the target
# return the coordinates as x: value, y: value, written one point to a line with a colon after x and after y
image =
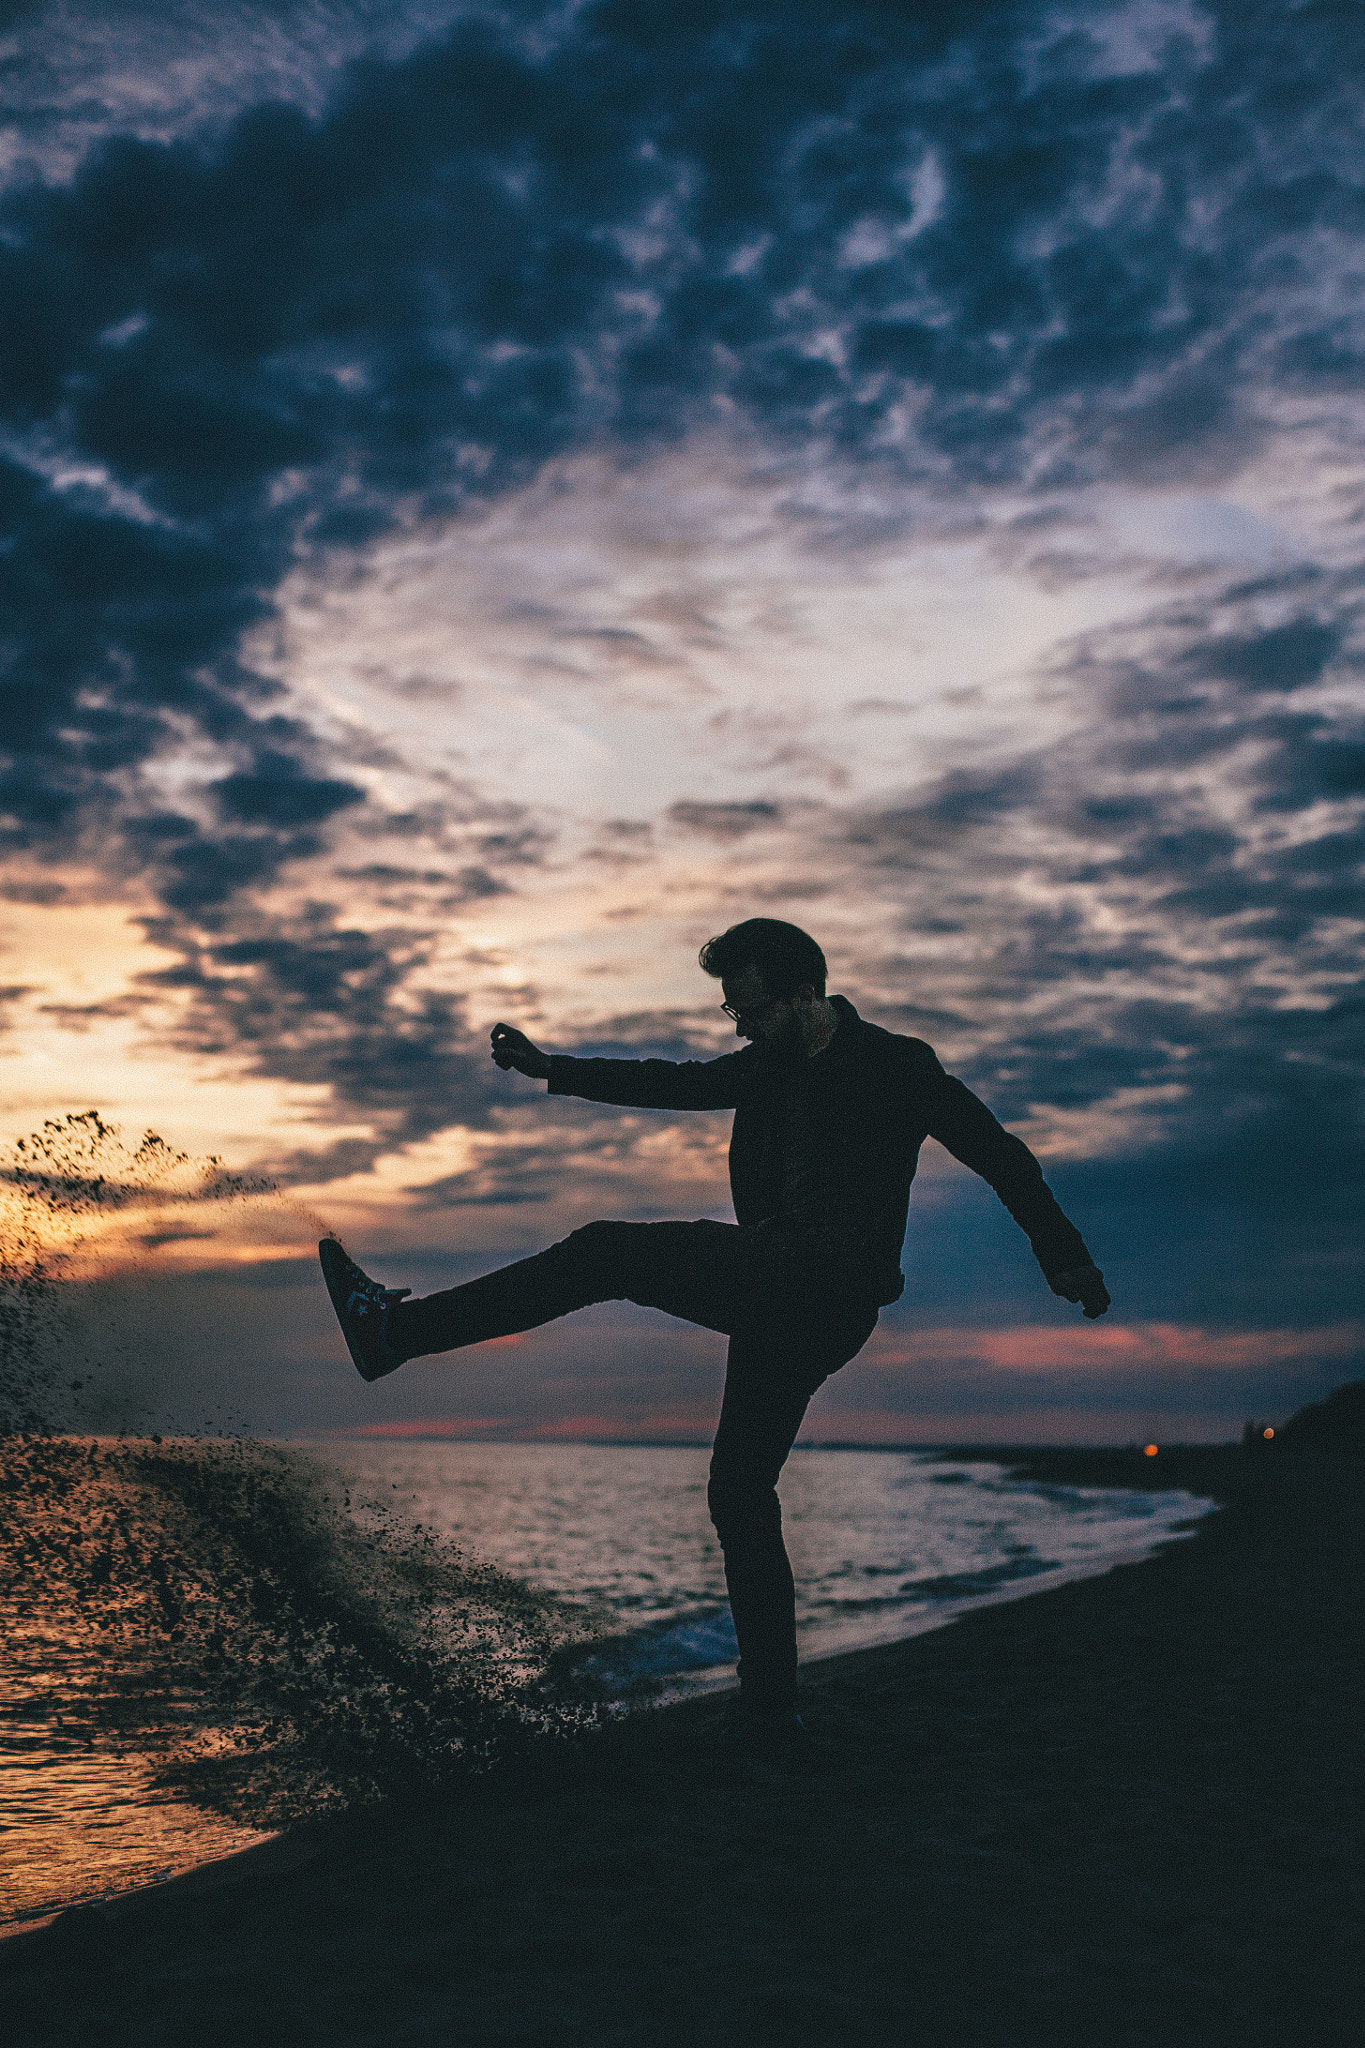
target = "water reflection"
x: 85, y: 1819
x: 206, y: 1640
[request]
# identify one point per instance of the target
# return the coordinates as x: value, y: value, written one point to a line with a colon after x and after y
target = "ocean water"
x: 884, y: 1544
x: 208, y: 1640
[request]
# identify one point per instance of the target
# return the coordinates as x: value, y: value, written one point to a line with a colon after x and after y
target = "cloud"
x: 724, y: 821
x: 1285, y: 657
x: 279, y: 793
x: 1122, y: 1348
x: 424, y: 890
x: 80, y: 1016
x: 929, y: 257
x: 500, y: 247
x: 310, y: 1001
x: 14, y: 992
x: 1143, y: 938
x: 167, y: 69
x: 1179, y: 1382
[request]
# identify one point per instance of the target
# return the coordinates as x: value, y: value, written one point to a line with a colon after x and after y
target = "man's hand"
x: 1084, y: 1284
x: 512, y: 1048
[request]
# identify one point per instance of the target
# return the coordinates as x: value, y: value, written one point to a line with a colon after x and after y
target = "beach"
x: 1126, y: 1810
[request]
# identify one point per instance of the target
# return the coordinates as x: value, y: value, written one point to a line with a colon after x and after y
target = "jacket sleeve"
x: 965, y: 1127
x: 652, y: 1084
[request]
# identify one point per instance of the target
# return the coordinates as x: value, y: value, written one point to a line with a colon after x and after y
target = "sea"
x: 614, y: 1539
x: 884, y: 1543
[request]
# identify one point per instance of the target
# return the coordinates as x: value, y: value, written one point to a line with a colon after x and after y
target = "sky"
x: 495, y: 495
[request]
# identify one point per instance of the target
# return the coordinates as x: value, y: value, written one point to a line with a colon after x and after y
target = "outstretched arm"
x: 633, y: 1084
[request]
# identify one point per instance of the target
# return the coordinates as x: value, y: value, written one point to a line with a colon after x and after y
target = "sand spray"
x: 231, y: 1608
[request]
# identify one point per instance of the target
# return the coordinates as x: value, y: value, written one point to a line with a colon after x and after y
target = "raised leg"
x: 703, y: 1272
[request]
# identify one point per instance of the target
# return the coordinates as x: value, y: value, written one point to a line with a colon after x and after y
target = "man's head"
x: 771, y: 974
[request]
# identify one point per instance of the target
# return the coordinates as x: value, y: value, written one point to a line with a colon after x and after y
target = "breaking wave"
x: 279, y: 1645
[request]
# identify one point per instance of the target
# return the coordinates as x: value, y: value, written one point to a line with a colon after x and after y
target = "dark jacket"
x: 874, y: 1098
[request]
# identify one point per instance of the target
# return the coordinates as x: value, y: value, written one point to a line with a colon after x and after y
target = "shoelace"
x: 360, y: 1302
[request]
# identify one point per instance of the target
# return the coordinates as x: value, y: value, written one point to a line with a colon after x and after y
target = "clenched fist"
x: 512, y: 1048
x: 1084, y: 1284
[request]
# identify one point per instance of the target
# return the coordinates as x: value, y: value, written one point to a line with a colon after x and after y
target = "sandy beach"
x: 1127, y: 1810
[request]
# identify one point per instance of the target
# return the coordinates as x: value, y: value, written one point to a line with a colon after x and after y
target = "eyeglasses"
x: 757, y: 1011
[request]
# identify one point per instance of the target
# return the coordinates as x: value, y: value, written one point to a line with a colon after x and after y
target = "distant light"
x: 1267, y: 1432
x: 1149, y: 1450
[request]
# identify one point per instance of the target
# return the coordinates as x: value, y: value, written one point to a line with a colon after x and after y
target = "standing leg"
x: 768, y: 1385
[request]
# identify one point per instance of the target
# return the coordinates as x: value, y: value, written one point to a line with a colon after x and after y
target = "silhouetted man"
x: 830, y: 1113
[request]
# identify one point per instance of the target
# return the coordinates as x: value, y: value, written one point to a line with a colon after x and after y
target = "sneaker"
x: 362, y: 1307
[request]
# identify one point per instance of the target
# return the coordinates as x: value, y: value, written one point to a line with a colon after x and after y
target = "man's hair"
x: 786, y: 957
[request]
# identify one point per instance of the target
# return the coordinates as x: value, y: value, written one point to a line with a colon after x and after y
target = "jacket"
x: 874, y: 1098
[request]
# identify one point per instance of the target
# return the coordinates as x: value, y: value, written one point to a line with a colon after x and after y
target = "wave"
x: 280, y: 1646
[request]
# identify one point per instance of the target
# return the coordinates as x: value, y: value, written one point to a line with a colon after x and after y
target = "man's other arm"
x: 965, y: 1127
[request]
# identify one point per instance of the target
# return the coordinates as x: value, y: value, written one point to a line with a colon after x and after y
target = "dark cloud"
x: 504, y: 1184
x: 724, y: 821
x: 279, y: 793
x: 1169, y: 905
x: 80, y: 1016
x: 586, y: 1156
x: 1285, y: 657
x: 507, y: 244
x: 659, y: 1035
x: 13, y: 993
x: 311, y: 1001
x: 77, y: 69
x: 424, y: 889
x: 41, y: 893
x: 587, y: 1160
x: 114, y: 629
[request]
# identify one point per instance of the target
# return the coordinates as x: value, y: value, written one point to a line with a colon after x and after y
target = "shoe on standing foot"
x: 362, y: 1307
x: 763, y: 1737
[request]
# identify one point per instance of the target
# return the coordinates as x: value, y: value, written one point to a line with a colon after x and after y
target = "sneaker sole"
x: 334, y: 1263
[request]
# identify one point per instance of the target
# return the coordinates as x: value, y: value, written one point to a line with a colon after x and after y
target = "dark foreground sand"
x: 1126, y: 1811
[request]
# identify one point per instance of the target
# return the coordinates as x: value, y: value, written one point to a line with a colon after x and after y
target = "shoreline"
x: 290, y: 1848
x: 187, y: 1840
x: 678, y: 1690
x: 720, y: 1678
x: 1125, y: 1809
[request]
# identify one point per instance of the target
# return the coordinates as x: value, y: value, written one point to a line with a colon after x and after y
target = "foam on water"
x: 883, y: 1543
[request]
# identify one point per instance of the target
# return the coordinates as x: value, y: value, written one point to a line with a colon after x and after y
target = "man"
x: 830, y: 1113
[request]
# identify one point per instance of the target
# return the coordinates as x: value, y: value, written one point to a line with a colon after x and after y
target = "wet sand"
x: 1126, y: 1810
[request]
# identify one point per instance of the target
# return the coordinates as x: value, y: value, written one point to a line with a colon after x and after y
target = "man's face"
x: 768, y: 1021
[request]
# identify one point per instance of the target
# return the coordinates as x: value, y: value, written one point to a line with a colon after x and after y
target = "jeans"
x: 792, y: 1320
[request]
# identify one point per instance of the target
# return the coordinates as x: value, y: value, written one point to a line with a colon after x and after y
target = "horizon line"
x: 1014, y: 1447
